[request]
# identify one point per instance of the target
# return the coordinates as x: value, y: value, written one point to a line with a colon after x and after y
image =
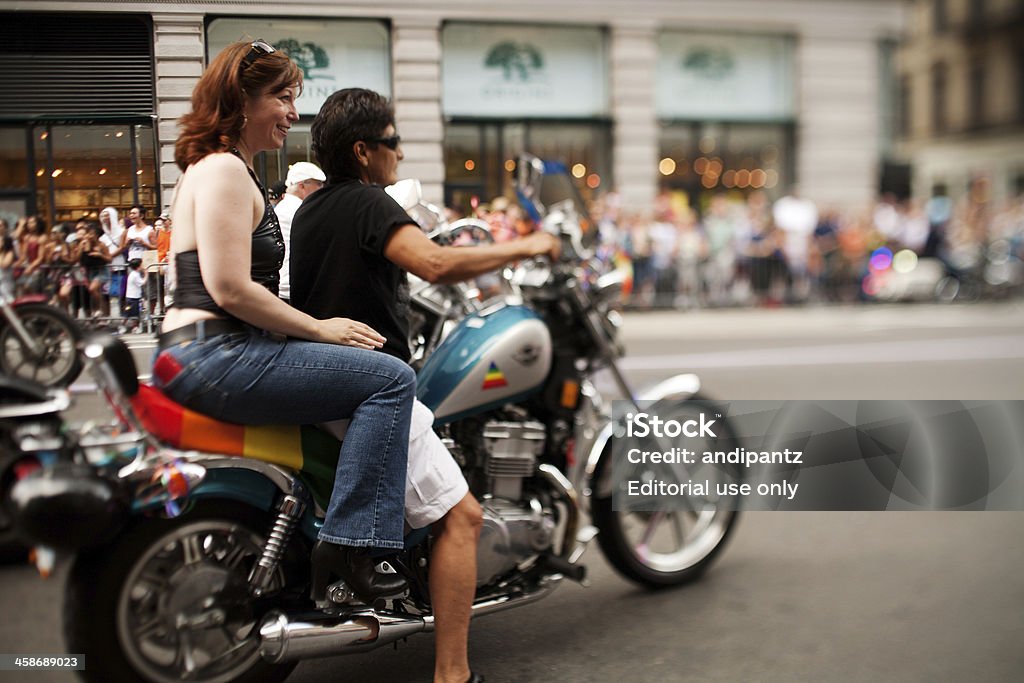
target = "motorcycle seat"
x: 306, y: 448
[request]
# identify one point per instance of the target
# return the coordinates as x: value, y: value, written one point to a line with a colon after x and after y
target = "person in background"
x: 796, y: 218
x: 162, y: 231
x: 275, y: 193
x: 158, y: 278
x: 134, y: 285
x: 114, y: 230
x: 303, y: 180
x: 139, y: 238
x: 33, y: 253
x: 71, y: 293
x: 7, y: 259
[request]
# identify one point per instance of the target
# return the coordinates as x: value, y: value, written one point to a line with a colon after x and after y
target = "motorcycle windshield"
x: 541, y: 185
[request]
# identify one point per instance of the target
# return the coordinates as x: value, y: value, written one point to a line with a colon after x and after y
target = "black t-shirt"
x: 338, y: 268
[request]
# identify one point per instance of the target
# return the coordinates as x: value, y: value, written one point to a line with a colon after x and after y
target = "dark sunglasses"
x: 259, y: 48
x: 391, y: 142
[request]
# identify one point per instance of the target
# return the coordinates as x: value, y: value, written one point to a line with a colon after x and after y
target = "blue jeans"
x: 257, y: 379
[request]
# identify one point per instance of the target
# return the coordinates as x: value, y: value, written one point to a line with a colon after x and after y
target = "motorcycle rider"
x: 231, y: 349
x: 351, y: 247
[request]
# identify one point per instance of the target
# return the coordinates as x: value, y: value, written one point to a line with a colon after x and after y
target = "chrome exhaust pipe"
x: 291, y: 637
x: 285, y: 637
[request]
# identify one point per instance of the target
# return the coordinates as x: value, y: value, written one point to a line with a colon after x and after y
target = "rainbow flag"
x: 494, y: 378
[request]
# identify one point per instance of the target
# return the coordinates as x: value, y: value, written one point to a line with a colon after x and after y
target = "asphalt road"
x: 796, y: 596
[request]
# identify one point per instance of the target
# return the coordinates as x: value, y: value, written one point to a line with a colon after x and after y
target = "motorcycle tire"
x: 58, y: 335
x: 645, y: 562
x: 168, y: 594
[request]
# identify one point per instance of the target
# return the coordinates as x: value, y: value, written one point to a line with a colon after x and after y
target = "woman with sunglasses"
x: 231, y: 349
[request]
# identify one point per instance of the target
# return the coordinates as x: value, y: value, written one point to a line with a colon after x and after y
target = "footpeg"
x: 576, y: 572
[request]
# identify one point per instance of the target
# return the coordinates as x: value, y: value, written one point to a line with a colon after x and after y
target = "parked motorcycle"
x: 31, y: 435
x: 192, y: 563
x: 37, y: 341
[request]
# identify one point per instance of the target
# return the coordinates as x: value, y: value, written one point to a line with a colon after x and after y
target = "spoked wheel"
x: 675, y: 545
x: 168, y: 602
x: 57, y: 336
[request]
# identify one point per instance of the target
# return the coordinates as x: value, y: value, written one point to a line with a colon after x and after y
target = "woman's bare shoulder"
x: 218, y: 164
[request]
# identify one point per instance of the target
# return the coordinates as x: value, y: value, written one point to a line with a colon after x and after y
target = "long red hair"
x: 218, y: 100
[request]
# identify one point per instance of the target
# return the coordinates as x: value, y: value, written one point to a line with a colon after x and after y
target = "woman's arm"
x: 226, y: 208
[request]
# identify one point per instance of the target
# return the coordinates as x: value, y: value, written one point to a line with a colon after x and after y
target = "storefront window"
x: 513, y: 88
x: 702, y: 159
x: 298, y: 145
x: 145, y: 171
x: 480, y: 156
x: 13, y: 171
x: 79, y: 169
x: 41, y: 146
x: 272, y: 166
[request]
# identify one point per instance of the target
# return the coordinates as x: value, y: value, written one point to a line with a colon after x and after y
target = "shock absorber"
x: 288, y: 514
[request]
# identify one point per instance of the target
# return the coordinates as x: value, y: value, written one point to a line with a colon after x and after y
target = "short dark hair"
x: 348, y: 116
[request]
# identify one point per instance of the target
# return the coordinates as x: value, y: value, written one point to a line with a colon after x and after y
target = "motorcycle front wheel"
x: 168, y: 601
x: 672, y: 546
x: 57, y: 336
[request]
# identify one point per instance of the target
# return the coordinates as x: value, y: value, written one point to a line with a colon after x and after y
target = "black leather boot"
x: 356, y: 567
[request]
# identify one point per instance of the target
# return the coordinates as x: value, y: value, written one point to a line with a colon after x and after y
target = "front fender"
x: 677, y: 387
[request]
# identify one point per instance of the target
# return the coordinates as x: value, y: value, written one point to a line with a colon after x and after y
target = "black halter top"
x: 267, y: 259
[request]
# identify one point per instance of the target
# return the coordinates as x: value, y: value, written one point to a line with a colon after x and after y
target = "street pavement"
x: 796, y: 596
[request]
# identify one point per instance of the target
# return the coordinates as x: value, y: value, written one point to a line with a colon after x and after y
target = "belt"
x: 200, y: 330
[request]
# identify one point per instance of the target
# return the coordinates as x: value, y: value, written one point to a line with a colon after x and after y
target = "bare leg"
x: 452, y: 587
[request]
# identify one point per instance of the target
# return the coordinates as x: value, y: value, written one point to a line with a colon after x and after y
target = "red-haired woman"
x: 230, y: 348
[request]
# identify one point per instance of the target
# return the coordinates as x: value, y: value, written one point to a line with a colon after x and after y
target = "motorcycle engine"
x: 501, y: 455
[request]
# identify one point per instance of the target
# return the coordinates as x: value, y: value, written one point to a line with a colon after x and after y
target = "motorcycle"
x: 37, y: 341
x: 30, y: 436
x: 191, y: 538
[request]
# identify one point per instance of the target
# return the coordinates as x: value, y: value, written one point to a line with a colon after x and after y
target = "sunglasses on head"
x: 259, y: 48
x: 391, y: 142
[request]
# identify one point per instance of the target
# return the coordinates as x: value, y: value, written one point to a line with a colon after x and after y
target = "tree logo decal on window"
x: 713, y: 64
x: 308, y: 56
x: 518, y: 61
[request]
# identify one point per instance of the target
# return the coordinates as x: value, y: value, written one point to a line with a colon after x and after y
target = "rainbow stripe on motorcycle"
x: 305, y: 448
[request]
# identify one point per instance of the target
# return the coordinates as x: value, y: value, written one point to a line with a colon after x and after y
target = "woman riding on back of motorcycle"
x: 230, y: 348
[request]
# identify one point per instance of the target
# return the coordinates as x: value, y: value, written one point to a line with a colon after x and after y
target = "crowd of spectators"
x: 733, y: 250
x: 86, y: 266
x: 748, y: 250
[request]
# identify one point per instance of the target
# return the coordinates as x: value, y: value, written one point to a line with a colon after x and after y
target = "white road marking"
x: 910, y: 351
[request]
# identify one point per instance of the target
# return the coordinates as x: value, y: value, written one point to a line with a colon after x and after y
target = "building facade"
x: 698, y: 96
x: 961, y: 83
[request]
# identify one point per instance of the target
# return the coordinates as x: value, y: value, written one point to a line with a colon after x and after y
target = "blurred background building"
x: 699, y: 96
x: 961, y: 85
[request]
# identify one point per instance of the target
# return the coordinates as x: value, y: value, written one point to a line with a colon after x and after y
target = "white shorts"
x: 434, y: 484
x: 433, y: 481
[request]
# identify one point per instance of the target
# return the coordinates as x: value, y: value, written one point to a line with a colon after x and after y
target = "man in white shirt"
x: 303, y: 180
x: 797, y: 217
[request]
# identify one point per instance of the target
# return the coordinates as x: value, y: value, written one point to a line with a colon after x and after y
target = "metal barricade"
x: 155, y: 299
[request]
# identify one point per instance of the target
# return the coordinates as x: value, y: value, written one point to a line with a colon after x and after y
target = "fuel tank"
x: 491, y: 358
